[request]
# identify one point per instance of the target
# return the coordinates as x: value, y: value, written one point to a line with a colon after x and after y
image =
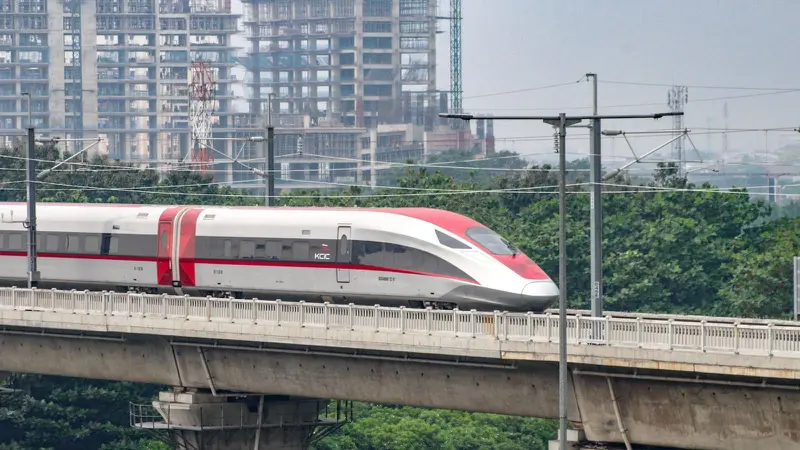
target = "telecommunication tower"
x: 676, y: 99
x: 202, y: 88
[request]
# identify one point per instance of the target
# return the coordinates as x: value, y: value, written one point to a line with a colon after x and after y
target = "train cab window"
x: 449, y: 241
x: 73, y: 244
x: 15, y: 241
x: 491, y: 241
x: 274, y: 250
x: 247, y: 249
x: 164, y: 240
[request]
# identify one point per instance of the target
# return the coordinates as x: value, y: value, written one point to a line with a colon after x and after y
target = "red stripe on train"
x: 187, y: 246
x: 250, y: 263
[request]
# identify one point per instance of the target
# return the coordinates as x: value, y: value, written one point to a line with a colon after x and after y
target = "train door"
x: 175, y: 249
x: 164, y: 259
x: 344, y: 247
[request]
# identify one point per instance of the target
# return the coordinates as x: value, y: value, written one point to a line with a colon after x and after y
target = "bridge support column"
x: 203, y: 421
x: 574, y: 439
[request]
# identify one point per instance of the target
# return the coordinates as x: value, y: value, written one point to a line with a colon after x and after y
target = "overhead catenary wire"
x: 625, y: 189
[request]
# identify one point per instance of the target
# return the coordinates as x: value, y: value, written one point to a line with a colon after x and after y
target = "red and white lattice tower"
x: 202, y: 88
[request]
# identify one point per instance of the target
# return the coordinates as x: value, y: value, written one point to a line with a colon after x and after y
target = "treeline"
x: 669, y: 247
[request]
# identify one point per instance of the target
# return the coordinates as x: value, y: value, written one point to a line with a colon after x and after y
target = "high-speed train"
x: 414, y: 257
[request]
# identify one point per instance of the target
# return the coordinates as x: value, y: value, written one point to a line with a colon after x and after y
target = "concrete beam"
x: 660, y: 412
x: 779, y: 366
x: 527, y: 391
x: 687, y: 415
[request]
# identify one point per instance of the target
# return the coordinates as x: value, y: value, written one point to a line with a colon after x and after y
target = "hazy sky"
x: 520, y: 44
x: 510, y: 45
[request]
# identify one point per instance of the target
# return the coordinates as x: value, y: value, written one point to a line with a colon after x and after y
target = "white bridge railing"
x: 666, y: 334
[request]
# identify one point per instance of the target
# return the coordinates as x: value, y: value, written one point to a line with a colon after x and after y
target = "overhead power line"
x: 701, y: 86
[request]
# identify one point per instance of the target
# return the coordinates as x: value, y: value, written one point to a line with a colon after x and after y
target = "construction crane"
x: 455, y: 55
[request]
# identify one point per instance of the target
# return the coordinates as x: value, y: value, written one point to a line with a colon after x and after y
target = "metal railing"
x: 650, y: 333
x: 236, y: 416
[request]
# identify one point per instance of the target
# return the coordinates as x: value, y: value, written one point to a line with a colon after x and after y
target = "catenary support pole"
x: 269, y: 156
x: 596, y: 215
x: 562, y: 282
x: 561, y: 122
x: 269, y: 174
x: 30, y: 166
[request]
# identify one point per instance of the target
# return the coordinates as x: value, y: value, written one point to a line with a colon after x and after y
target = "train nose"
x: 540, y: 294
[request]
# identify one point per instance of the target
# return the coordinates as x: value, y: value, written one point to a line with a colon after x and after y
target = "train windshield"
x: 492, y: 241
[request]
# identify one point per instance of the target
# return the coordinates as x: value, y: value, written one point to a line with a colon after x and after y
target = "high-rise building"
x: 118, y: 69
x: 344, y: 62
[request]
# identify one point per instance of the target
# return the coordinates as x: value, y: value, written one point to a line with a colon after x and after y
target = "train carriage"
x: 398, y: 257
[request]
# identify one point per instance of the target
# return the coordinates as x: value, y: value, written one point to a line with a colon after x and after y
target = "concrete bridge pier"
x: 574, y: 439
x: 200, y: 420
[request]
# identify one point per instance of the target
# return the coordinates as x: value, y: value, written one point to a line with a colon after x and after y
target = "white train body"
x: 405, y: 256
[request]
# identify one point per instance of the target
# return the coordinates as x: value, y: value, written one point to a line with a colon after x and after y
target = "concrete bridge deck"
x: 698, y: 383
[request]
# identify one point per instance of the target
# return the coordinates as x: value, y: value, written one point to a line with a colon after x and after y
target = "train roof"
x: 448, y: 220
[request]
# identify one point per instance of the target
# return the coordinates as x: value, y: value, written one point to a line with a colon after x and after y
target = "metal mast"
x: 676, y: 99
x: 455, y: 56
x: 74, y: 86
x: 201, y: 107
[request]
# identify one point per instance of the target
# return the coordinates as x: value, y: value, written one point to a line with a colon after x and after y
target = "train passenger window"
x: 300, y: 250
x: 113, y: 245
x: 286, y: 251
x: 371, y: 254
x: 394, y: 256
x: 15, y: 241
x: 51, y: 242
x: 91, y: 244
x: 73, y: 244
x: 260, y: 252
x: 3, y: 240
x: 449, y: 241
x: 427, y: 262
x: 228, y: 251
x: 274, y: 249
x: 247, y: 249
x: 491, y: 241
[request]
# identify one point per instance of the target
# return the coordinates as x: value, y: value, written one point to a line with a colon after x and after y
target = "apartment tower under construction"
x: 117, y: 69
x: 355, y: 63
